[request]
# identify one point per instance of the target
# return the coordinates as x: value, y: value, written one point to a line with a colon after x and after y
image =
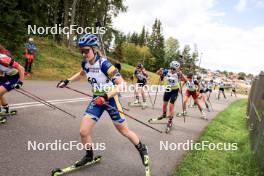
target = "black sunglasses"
x: 85, y: 51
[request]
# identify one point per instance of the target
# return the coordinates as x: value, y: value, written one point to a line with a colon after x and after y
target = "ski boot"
x: 143, y: 151
x: 87, y: 158
x: 4, y: 110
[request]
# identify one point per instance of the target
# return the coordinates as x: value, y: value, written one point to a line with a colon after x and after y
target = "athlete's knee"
x: 84, y: 132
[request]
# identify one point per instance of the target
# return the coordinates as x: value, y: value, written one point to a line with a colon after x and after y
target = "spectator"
x: 29, y: 53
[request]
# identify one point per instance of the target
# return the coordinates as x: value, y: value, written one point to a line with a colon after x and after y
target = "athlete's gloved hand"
x: 63, y: 83
x: 100, y: 100
x: 18, y: 85
x: 161, y: 77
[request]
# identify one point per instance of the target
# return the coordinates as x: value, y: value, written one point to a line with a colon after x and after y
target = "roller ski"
x: 78, y: 165
x: 169, y: 126
x: 181, y: 114
x: 135, y: 104
x: 143, y: 151
x: 10, y: 113
x: 157, y: 119
x: 143, y: 105
x: 6, y: 113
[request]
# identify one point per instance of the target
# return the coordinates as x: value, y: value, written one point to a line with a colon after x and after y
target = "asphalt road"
x: 42, y: 124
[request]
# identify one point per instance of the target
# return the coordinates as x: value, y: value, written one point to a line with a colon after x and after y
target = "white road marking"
x: 58, y: 101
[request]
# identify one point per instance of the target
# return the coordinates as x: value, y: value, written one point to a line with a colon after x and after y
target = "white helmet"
x: 175, y: 64
x: 30, y: 40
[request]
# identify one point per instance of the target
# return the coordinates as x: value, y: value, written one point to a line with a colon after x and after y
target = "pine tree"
x: 141, y: 38
x: 134, y: 38
x: 156, y: 44
x: 12, y: 22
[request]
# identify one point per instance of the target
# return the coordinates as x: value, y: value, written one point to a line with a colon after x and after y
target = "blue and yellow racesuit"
x: 102, y: 75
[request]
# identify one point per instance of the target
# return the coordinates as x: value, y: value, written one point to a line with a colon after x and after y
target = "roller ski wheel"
x: 147, y: 165
x: 56, y: 172
x: 72, y: 168
x: 180, y: 114
x: 3, y: 120
x: 145, y: 159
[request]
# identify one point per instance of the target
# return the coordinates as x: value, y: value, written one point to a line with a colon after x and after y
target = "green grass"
x: 55, y: 62
x: 228, y: 127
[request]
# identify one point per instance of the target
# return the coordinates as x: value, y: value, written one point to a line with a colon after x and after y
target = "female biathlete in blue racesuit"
x: 106, y: 82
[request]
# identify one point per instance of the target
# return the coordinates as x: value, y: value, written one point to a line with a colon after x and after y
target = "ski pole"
x: 156, y: 92
x: 109, y: 106
x: 184, y: 118
x: 150, y: 100
x: 34, y: 97
x: 48, y: 103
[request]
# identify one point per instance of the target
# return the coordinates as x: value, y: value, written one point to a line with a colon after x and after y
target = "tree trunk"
x: 72, y: 21
x: 66, y: 19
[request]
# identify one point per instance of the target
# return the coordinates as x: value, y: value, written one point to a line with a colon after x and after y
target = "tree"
x: 17, y: 15
x: 187, y: 60
x: 171, y: 50
x: 156, y: 44
x: 142, y: 37
x: 134, y: 38
x: 225, y: 73
x: 241, y: 75
x: 118, y: 53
